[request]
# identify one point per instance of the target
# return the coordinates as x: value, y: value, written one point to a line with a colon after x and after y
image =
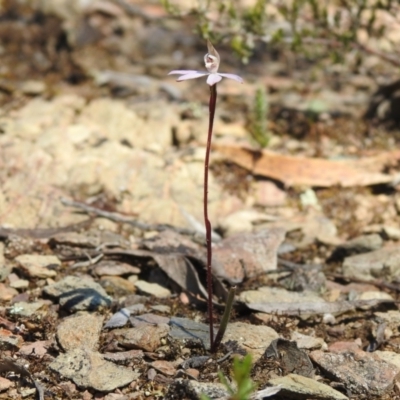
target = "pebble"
x: 117, y: 286
x: 256, y: 251
x: 391, y: 232
x: 360, y: 372
x: 271, y: 295
x: 78, y: 294
x: 153, y: 289
x: 148, y: 319
x: 358, y: 245
x: 114, y: 268
x: 38, y: 266
x: 255, y: 339
x: 267, y: 194
x: 308, y: 342
x: 390, y: 357
x: 165, y: 367
x: 185, y: 388
x: 383, y: 263
x: 26, y: 309
x: 39, y: 348
x: 6, y: 292
x: 32, y: 87
x: 185, y: 329
x: 300, y: 387
x: 89, y: 369
x: 5, y: 384
x: 372, y: 295
x: 144, y: 337
x: 161, y: 308
x: 9, y: 341
x: 80, y: 331
x: 19, y: 284
x: 122, y: 356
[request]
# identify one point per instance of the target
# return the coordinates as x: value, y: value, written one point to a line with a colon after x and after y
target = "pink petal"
x: 192, y: 75
x: 213, y: 79
x: 181, y: 71
x: 232, y: 76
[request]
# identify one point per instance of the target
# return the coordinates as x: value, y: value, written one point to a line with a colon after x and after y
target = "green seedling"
x: 258, y: 122
x: 243, y: 386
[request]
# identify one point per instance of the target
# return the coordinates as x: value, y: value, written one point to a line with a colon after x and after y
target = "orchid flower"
x: 211, y: 61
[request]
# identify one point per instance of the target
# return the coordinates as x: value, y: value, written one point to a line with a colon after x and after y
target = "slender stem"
x: 213, y: 101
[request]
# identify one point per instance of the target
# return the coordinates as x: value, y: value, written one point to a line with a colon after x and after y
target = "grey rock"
x: 32, y: 87
x: 80, y: 331
x: 391, y: 232
x: 184, y: 329
x: 299, y: 387
x: 255, y: 339
x: 308, y: 342
x: 120, y: 318
x: 360, y: 372
x: 117, y: 286
x: 288, y: 357
x: 8, y: 341
x: 148, y: 319
x: 163, y: 308
x: 39, y: 266
x: 390, y: 357
x: 382, y: 264
x: 266, y: 294
x: 4, y: 271
x: 144, y: 337
x: 153, y: 289
x: 78, y: 294
x: 89, y: 369
x: 184, y: 389
x: 358, y: 245
x: 25, y: 309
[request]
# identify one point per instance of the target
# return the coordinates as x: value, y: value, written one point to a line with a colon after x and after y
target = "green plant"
x: 258, y: 119
x: 315, y: 27
x: 244, y: 387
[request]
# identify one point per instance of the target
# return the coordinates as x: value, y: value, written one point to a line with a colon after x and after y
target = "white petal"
x: 213, y: 79
x: 181, y: 72
x: 233, y: 76
x: 192, y: 75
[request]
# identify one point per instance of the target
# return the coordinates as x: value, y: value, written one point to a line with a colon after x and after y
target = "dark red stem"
x: 213, y: 101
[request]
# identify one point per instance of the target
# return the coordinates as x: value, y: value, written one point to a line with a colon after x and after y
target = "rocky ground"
x: 102, y: 280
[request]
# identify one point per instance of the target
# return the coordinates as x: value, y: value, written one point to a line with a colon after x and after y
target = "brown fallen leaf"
x: 297, y: 171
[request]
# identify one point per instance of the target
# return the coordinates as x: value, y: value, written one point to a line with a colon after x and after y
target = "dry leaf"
x: 298, y: 171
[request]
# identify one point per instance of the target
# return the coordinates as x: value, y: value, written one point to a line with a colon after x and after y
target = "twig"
x: 117, y: 217
x: 375, y: 282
